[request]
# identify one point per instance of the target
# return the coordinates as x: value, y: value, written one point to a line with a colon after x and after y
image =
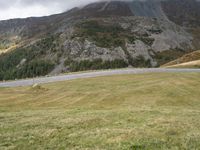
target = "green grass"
x: 147, y: 111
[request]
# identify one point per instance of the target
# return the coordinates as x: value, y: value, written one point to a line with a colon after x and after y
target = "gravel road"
x: 41, y: 80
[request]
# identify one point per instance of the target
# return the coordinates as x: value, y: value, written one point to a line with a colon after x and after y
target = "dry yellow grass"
x: 146, y: 111
x: 11, y: 48
x: 192, y: 64
x: 194, y: 56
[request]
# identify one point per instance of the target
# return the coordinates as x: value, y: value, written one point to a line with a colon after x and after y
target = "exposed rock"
x: 22, y: 62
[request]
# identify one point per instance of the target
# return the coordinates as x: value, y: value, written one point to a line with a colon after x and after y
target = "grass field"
x: 136, y: 112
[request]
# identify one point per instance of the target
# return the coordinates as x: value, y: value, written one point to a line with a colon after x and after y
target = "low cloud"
x: 27, y: 8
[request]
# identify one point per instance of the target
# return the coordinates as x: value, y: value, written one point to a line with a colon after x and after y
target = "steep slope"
x: 191, y: 64
x: 105, y: 9
x: 193, y: 56
x: 149, y: 8
x: 109, y: 34
x: 183, y: 12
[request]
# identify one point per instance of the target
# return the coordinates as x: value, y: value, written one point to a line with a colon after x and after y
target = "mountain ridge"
x: 110, y: 34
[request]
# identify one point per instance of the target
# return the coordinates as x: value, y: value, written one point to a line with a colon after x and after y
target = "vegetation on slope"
x: 191, y: 64
x: 103, y: 35
x: 139, y: 62
x: 149, y: 111
x: 4, y: 44
x: 185, y: 58
x: 11, y: 66
x: 98, y: 64
x: 41, y: 57
x: 95, y: 64
x: 108, y: 35
x: 51, y: 51
x: 31, y: 69
x: 167, y: 56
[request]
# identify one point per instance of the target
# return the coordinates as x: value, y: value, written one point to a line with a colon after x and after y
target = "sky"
x: 26, y: 8
x: 34, y: 8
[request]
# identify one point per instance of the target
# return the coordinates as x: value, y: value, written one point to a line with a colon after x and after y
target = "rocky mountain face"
x: 108, y: 34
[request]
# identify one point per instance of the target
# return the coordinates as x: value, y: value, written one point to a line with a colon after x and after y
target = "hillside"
x: 149, y: 111
x: 183, y: 12
x: 102, y: 35
x: 191, y: 64
x: 193, y: 56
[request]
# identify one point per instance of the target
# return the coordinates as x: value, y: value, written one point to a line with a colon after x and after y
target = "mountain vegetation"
x: 109, y: 34
x: 96, y: 64
x: 27, y: 62
x: 193, y: 56
x: 190, y: 60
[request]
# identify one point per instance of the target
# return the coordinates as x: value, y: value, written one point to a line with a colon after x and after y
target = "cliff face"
x: 150, y: 8
x: 182, y: 12
x: 138, y: 33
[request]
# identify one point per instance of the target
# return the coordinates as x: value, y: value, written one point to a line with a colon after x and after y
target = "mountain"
x: 101, y: 35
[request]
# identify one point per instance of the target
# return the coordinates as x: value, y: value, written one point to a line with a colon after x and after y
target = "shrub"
x: 140, y: 61
x: 68, y: 62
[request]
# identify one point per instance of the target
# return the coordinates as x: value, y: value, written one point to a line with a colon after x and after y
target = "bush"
x: 141, y: 62
x: 68, y: 62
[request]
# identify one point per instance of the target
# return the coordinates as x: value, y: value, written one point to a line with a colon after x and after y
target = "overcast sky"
x: 26, y: 8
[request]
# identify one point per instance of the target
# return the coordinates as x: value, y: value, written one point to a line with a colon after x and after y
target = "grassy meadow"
x: 124, y: 112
